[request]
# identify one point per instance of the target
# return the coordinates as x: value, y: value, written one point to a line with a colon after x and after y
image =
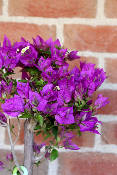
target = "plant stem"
x: 28, y: 146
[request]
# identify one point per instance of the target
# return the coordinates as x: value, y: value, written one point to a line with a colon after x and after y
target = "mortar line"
x: 54, y: 21
x: 5, y: 9
x: 2, y: 134
x: 53, y: 167
x: 100, y: 10
x: 97, y: 140
x: 59, y: 33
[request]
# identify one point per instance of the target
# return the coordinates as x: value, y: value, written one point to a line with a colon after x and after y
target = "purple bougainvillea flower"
x: 39, y: 43
x: 67, y: 136
x: 23, y: 89
x: 66, y: 89
x: 9, y: 157
x: 69, y: 145
x: 13, y: 106
x: 51, y: 108
x: 34, y: 98
x: 48, y: 93
x: 1, y: 166
x: 27, y: 107
x: 101, y: 101
x: 47, y: 155
x: 72, y: 56
x: 37, y: 101
x: 43, y: 64
x: 90, y: 125
x: 3, y: 118
x: 6, y: 42
x: 10, y: 62
x: 100, y: 77
x: 1, y: 59
x: 28, y: 55
x: 42, y: 104
x: 37, y: 148
x: 6, y: 88
x: 65, y: 115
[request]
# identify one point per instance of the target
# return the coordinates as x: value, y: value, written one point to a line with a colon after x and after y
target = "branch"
x: 32, y: 86
x: 5, y: 124
x: 36, y: 159
x: 13, y: 151
x: 18, y: 132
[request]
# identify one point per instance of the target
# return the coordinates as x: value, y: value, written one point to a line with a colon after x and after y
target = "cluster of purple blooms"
x: 63, y: 98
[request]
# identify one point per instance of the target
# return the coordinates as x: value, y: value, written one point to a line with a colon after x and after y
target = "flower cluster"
x: 60, y: 100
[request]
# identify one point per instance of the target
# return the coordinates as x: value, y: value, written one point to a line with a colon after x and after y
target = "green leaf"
x: 47, y: 136
x: 34, y: 71
x: 26, y: 115
x: 53, y: 155
x: 40, y: 82
x: 79, y: 133
x: 40, y: 119
x: 37, y: 127
x: 8, y: 73
x: 23, y: 81
x: 37, y: 163
x: 11, y: 128
x: 38, y: 133
x: 58, y: 139
x: 55, y: 131
x: 15, y: 170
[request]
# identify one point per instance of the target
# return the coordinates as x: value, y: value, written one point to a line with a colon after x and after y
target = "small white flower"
x: 58, y: 88
x: 24, y: 49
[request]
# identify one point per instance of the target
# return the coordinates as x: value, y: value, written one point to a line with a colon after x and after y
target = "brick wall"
x: 89, y: 26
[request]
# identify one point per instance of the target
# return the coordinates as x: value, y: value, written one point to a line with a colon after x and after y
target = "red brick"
x: 111, y: 8
x: 85, y: 37
x: 14, y: 31
x: 76, y: 62
x: 87, y: 164
x: 111, y: 70
x: 1, y: 4
x: 42, y: 169
x: 17, y: 72
x: 110, y: 108
x: 85, y: 140
x: 14, y: 122
x: 109, y: 133
x: 53, y: 9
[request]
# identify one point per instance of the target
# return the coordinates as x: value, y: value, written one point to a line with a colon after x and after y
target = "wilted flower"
x: 3, y: 118
x: 37, y: 148
x: 1, y: 166
x: 9, y: 157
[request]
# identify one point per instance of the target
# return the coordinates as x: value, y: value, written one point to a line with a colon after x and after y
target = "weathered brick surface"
x: 85, y: 37
x: 14, y: 31
x: 109, y: 133
x: 76, y: 62
x: 85, y: 140
x: 111, y: 8
x: 111, y: 70
x: 53, y: 9
x: 87, y: 164
x: 42, y: 169
x: 110, y: 108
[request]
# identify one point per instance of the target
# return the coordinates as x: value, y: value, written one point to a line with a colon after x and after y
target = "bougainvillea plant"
x: 54, y: 101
